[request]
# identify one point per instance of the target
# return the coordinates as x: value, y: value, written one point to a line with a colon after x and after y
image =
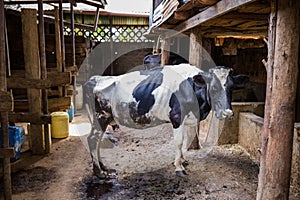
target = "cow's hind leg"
x: 94, y: 143
x: 179, y: 160
x: 93, y: 140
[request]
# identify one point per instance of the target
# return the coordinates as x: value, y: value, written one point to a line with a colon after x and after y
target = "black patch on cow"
x: 143, y: 95
x: 189, y: 98
x: 135, y: 116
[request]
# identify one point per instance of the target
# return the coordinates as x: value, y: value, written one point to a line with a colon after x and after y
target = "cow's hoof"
x: 106, y: 169
x: 181, y: 173
x: 110, y: 170
x: 185, y: 163
x: 97, y: 172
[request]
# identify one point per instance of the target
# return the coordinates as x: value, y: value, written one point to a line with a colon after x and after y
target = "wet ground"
x: 144, y: 170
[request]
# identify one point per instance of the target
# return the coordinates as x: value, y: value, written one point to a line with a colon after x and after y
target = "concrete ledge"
x: 250, y: 132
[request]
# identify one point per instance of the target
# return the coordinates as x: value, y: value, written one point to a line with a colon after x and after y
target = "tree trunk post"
x: 195, y: 58
x: 165, y: 51
x: 277, y: 139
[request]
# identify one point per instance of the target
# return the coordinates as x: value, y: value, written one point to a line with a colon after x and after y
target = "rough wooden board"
x: 7, y: 152
x: 59, y: 78
x: 220, y: 8
x: 6, y: 101
x: 27, y: 83
x: 29, y: 118
x: 59, y: 104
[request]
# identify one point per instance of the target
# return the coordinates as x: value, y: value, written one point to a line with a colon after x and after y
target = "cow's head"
x: 220, y: 83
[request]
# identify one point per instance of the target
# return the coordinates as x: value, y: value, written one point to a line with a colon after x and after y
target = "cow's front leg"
x: 179, y: 160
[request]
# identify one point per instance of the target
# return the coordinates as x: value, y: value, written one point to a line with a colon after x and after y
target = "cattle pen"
x: 47, y: 54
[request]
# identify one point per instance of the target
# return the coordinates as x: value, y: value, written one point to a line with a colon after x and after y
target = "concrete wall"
x: 228, y: 129
x: 250, y: 131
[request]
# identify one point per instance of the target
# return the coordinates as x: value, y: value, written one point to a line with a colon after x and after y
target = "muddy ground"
x: 143, y: 160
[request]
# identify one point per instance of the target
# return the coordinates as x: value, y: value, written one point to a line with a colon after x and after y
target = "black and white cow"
x: 180, y: 94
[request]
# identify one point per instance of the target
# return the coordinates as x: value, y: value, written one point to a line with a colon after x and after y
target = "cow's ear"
x: 202, y: 78
x: 240, y: 81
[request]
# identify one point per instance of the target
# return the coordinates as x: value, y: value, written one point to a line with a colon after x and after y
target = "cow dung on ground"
x: 144, y: 171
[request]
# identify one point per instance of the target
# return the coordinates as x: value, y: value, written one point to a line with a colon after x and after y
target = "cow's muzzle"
x: 224, y: 114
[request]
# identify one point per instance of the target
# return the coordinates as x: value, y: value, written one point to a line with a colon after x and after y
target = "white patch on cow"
x: 173, y: 75
x: 222, y: 75
x: 105, y: 85
x: 123, y: 90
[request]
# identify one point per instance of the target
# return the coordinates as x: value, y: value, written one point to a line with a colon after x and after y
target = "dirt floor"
x: 143, y: 160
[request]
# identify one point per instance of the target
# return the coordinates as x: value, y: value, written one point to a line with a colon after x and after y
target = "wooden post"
x: 96, y: 19
x: 73, y: 54
x: 195, y: 55
x: 72, y: 35
x: 57, y: 40
x: 275, y: 167
x: 4, y: 115
x: 267, y: 116
x: 62, y: 38
x: 195, y: 58
x: 42, y: 51
x: 32, y: 71
x: 165, y: 51
x: 58, y: 46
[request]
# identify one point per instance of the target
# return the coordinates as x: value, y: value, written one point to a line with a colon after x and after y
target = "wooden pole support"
x: 4, y: 115
x: 33, y: 70
x: 277, y: 138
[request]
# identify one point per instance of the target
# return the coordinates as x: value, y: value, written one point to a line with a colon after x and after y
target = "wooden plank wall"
x: 25, y: 81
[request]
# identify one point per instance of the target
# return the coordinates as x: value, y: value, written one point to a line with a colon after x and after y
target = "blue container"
x: 16, y: 139
x: 71, y: 112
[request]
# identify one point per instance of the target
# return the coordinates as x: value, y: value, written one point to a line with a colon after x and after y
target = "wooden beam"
x: 29, y: 118
x: 55, y: 104
x: 212, y: 32
x: 206, y: 2
x: 247, y: 16
x: 59, y: 78
x: 59, y: 104
x: 53, y: 79
x: 7, y: 152
x: 212, y: 12
x: 32, y: 2
x: 27, y: 83
x: 90, y: 2
x: 180, y: 16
